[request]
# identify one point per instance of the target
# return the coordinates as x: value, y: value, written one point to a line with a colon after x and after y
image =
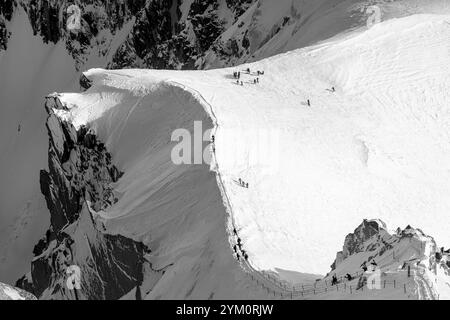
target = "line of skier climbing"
x: 238, y: 247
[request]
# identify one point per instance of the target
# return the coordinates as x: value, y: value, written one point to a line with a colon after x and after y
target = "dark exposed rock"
x: 354, y: 242
x: 9, y: 293
x: 358, y: 240
x: 78, y: 183
x: 6, y: 13
x: 155, y: 34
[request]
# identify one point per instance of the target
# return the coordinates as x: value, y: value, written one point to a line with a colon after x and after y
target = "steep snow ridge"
x: 378, y: 147
x: 273, y: 27
x: 176, y: 210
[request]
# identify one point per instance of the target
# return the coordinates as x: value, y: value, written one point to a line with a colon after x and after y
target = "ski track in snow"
x: 377, y: 147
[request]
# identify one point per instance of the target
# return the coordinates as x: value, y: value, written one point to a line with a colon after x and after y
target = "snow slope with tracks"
x: 379, y: 146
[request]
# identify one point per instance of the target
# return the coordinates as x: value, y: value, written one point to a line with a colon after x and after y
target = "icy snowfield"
x: 377, y: 147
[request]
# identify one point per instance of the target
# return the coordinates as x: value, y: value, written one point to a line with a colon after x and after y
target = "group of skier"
x: 237, y: 76
x: 238, y: 248
x: 349, y: 277
x: 243, y: 184
x: 335, y: 281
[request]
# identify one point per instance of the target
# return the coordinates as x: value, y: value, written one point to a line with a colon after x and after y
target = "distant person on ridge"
x: 364, y: 266
x: 334, y: 280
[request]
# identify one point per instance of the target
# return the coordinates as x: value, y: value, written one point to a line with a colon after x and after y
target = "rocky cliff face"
x: 173, y: 34
x: 408, y: 255
x: 6, y: 12
x: 358, y: 241
x: 76, y: 187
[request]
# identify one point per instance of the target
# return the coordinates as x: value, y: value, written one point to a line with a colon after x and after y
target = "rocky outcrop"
x: 177, y: 34
x: 6, y: 12
x: 10, y: 293
x: 77, y: 185
x: 368, y: 236
x: 174, y: 34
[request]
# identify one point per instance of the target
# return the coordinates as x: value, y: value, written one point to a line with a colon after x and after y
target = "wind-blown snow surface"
x: 377, y: 147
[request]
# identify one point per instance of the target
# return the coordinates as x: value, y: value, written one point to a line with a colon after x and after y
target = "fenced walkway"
x: 276, y: 288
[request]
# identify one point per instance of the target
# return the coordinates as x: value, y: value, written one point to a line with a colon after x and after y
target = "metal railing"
x: 273, y: 286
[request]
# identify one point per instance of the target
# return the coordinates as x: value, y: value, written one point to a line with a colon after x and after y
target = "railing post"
x: 394, y: 283
x: 404, y: 287
x: 351, y: 290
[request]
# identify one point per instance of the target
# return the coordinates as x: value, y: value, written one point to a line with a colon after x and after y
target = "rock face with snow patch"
x: 77, y: 185
x: 157, y: 34
x: 9, y: 293
x: 358, y: 240
x: 409, y: 256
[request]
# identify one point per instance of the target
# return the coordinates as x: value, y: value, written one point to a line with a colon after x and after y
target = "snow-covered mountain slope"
x: 270, y: 27
x: 378, y: 146
x: 403, y: 265
x: 9, y: 293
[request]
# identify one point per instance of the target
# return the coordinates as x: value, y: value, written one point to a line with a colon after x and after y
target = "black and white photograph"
x: 260, y: 153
